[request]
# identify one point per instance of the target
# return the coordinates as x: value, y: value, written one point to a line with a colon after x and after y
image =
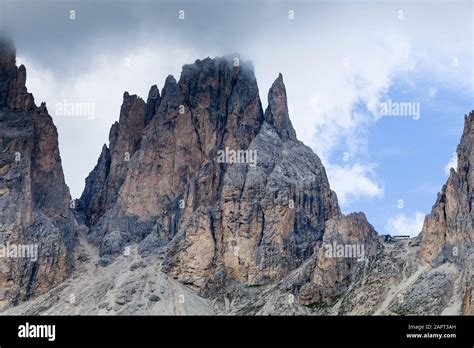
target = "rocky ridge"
x: 251, y: 223
x: 205, y: 203
x: 448, y: 232
x: 33, y: 213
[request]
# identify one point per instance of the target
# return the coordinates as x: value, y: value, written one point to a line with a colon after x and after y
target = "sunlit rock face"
x: 213, y: 191
x: 35, y: 213
x: 448, y: 231
x: 203, y: 169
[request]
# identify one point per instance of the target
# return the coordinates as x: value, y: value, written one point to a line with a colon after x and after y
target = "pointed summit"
x: 36, y: 208
x: 152, y: 103
x: 170, y: 87
x: 277, y: 110
x: 13, y: 92
x: 449, y: 230
x: 465, y: 150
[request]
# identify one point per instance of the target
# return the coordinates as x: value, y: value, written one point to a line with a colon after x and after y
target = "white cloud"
x: 337, y: 75
x: 402, y: 224
x: 330, y: 68
x: 354, y: 182
x: 453, y: 163
x: 326, y: 96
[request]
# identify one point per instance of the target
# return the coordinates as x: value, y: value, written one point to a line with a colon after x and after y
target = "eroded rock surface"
x: 204, y: 203
x: 34, y: 199
x: 448, y: 232
x: 225, y: 221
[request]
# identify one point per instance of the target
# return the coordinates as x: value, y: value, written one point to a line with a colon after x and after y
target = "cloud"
x: 401, y: 224
x: 346, y: 73
x: 335, y: 73
x: 335, y: 99
x: 354, y: 182
x: 453, y: 163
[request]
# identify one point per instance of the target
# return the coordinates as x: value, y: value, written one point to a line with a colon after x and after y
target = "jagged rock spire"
x: 152, y: 103
x: 35, y: 201
x: 449, y: 229
x: 13, y: 92
x: 277, y: 111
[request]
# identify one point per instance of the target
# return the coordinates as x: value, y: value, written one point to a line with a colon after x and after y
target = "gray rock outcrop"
x: 34, y: 200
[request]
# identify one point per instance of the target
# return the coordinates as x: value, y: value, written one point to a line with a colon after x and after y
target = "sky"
x: 378, y: 89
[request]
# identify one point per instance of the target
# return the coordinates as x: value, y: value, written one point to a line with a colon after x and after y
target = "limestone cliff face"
x: 448, y: 231
x: 209, y: 188
x: 13, y: 93
x: 349, y: 244
x: 229, y: 188
x: 104, y: 183
x: 34, y: 199
x: 273, y: 222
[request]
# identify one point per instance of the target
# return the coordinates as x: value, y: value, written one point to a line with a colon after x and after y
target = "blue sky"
x: 411, y: 155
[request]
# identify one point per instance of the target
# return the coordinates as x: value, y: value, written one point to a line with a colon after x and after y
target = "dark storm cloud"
x: 44, y: 30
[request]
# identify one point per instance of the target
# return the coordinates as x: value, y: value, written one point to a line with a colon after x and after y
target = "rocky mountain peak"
x: 448, y: 231
x: 152, y: 103
x: 13, y: 92
x: 171, y: 89
x: 154, y: 93
x: 203, y: 186
x: 181, y: 189
x: 34, y: 199
x: 465, y: 152
x: 277, y: 111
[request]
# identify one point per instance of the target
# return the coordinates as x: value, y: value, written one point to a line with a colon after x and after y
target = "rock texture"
x: 131, y: 285
x: 349, y: 243
x: 34, y: 199
x: 448, y: 232
x: 230, y: 226
x: 246, y: 222
x: 204, y: 203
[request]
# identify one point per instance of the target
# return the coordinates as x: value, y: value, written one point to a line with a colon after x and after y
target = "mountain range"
x: 205, y: 203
